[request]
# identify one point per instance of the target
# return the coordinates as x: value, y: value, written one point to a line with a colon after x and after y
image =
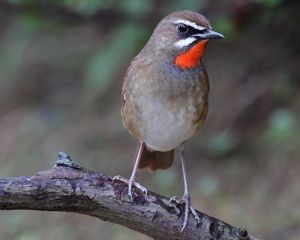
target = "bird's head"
x: 183, y: 36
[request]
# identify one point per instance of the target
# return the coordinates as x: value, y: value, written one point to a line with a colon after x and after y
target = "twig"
x: 68, y: 187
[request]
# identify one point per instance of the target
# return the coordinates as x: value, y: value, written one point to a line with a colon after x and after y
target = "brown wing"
x: 131, y: 91
x: 202, y: 109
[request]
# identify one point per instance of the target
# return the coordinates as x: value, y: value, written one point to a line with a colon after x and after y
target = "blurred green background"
x: 61, y: 69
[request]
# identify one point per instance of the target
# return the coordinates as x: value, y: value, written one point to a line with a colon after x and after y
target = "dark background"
x: 61, y: 69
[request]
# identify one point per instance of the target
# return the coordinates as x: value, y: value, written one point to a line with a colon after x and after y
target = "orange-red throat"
x: 191, y: 58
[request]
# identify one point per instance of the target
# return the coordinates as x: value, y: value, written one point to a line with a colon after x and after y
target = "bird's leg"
x: 186, y: 196
x: 132, y: 177
x: 131, y: 182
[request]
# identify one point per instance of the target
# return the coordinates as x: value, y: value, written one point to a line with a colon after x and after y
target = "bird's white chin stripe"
x: 191, y: 24
x: 185, y: 42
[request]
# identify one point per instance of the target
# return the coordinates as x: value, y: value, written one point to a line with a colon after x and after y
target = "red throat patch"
x: 191, y: 58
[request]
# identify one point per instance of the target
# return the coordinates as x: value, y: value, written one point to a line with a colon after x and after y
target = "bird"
x: 165, y: 95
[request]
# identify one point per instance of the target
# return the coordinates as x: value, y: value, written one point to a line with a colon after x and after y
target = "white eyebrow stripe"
x: 185, y: 42
x: 191, y: 24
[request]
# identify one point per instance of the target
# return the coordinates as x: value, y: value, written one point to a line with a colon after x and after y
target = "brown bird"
x: 165, y: 94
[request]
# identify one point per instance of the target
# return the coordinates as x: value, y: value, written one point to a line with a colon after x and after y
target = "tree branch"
x: 70, y: 188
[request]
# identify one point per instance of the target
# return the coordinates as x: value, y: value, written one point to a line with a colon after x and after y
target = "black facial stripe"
x: 191, y: 31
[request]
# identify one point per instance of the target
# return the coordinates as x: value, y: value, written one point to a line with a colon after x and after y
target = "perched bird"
x: 165, y: 94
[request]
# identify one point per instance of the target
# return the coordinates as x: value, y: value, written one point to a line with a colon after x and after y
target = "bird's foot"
x: 130, y: 184
x: 175, y: 199
x: 186, y: 200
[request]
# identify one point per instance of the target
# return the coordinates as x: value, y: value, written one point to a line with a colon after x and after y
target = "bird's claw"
x: 186, y: 200
x: 188, y: 207
x: 119, y: 178
x: 141, y: 187
x: 176, y: 200
x: 131, y: 183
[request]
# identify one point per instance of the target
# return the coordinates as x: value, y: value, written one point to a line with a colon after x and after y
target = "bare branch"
x: 70, y: 188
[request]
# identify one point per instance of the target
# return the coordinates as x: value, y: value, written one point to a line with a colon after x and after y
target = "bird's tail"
x: 155, y: 159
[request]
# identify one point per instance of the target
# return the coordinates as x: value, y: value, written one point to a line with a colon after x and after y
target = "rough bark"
x: 70, y: 188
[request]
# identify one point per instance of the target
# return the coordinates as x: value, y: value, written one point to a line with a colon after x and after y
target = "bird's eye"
x: 182, y: 28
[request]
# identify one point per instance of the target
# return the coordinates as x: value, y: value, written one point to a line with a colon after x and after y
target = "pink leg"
x: 131, y: 182
x: 132, y: 177
x: 186, y: 196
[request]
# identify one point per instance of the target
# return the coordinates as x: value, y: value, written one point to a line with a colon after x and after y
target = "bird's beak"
x: 209, y: 34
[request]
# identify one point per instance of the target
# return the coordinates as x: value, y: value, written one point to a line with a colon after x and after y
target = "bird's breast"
x: 164, y: 109
x: 168, y: 124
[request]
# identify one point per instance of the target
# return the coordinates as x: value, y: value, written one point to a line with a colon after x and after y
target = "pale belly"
x: 165, y: 127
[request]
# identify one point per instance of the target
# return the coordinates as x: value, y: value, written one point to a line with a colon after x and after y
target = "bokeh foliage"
x: 61, y: 69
